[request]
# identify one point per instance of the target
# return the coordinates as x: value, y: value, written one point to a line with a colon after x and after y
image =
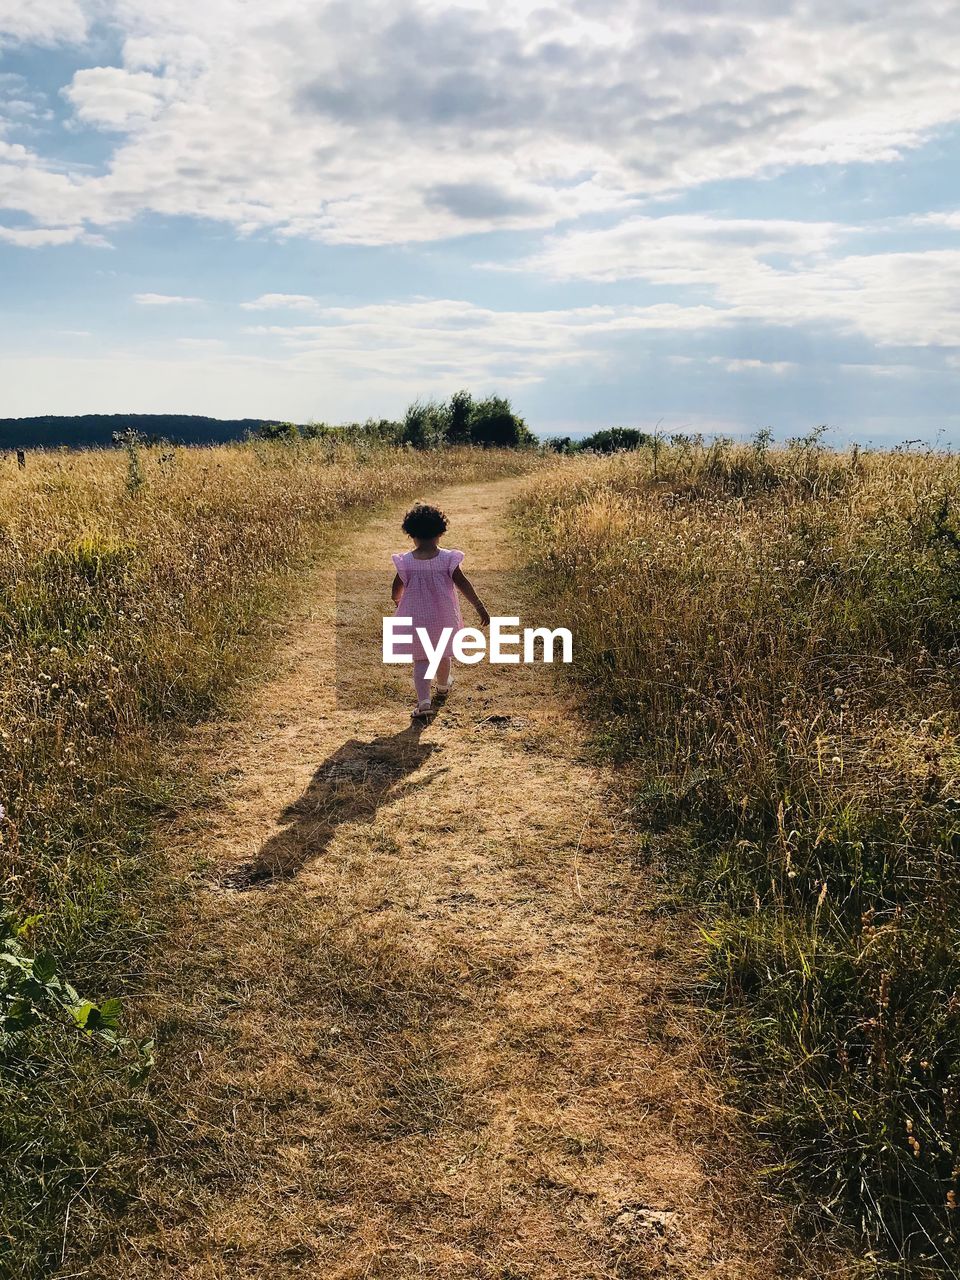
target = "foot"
x: 423, y: 711
x: 444, y: 689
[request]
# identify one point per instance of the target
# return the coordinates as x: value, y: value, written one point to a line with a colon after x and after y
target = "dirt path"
x: 432, y: 1028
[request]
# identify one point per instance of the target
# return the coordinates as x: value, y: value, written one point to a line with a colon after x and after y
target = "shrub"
x: 493, y: 422
x: 460, y: 413
x: 425, y: 425
x: 279, y: 431
x: 615, y: 439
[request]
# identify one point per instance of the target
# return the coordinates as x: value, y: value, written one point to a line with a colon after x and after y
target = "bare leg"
x: 421, y: 681
x: 443, y: 671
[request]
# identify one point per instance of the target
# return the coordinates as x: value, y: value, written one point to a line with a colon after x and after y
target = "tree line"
x: 427, y: 424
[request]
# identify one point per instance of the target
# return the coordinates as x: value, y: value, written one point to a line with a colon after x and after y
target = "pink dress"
x: 430, y: 598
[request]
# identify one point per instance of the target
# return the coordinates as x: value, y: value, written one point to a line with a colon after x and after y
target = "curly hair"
x: 424, y: 521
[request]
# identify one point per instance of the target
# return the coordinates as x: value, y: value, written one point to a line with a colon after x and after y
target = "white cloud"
x: 163, y: 300
x: 352, y: 362
x: 407, y: 120
x: 42, y: 237
x: 790, y: 273
x: 950, y: 220
x: 438, y: 343
x: 893, y: 299
x: 42, y: 21
x: 744, y: 365
x: 116, y: 99
x: 690, y: 249
x: 281, y: 302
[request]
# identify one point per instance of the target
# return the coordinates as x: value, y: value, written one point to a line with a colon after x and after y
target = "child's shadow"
x: 348, y: 787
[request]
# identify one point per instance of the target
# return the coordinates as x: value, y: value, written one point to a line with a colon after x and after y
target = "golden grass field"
x: 648, y: 970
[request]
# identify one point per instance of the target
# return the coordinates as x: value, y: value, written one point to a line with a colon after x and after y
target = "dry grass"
x: 770, y: 641
x: 133, y: 586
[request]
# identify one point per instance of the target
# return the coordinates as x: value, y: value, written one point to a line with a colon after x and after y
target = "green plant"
x: 425, y: 425
x: 615, y: 439
x: 132, y: 442
x: 285, y: 432
x: 32, y: 991
x: 493, y: 422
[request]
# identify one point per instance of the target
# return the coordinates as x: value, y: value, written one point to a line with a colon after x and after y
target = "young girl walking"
x: 425, y: 591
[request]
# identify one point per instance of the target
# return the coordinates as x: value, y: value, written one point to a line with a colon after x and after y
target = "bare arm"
x: 396, y: 591
x: 466, y: 587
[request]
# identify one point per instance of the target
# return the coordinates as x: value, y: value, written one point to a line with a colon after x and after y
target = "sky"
x: 702, y: 215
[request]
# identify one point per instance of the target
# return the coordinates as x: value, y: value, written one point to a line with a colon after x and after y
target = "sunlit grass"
x: 132, y: 588
x: 770, y: 641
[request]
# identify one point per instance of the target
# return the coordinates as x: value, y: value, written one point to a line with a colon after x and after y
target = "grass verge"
x: 770, y: 640
x: 133, y: 586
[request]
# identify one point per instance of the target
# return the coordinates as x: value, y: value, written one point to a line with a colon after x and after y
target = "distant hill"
x: 97, y: 429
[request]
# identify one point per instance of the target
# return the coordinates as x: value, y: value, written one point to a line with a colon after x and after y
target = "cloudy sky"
x: 712, y: 214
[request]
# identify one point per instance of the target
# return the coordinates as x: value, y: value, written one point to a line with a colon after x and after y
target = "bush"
x: 493, y: 422
x: 427, y: 424
x: 281, y: 431
x: 560, y: 444
x: 615, y: 440
x: 459, y: 418
x: 463, y: 420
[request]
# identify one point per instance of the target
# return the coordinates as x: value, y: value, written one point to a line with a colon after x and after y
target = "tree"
x: 615, y: 439
x: 425, y: 425
x: 283, y: 431
x: 459, y: 417
x: 429, y: 424
x: 493, y: 422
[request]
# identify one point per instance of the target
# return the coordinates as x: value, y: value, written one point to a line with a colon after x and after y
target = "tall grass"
x: 132, y: 584
x: 770, y: 640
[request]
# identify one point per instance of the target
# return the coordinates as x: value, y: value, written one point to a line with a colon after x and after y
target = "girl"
x: 425, y: 591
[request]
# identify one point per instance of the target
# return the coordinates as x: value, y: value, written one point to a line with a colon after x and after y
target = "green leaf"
x: 70, y: 993
x: 145, y: 1048
x: 28, y: 924
x: 44, y: 967
x: 20, y: 1015
x: 110, y: 1013
x: 82, y: 1013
